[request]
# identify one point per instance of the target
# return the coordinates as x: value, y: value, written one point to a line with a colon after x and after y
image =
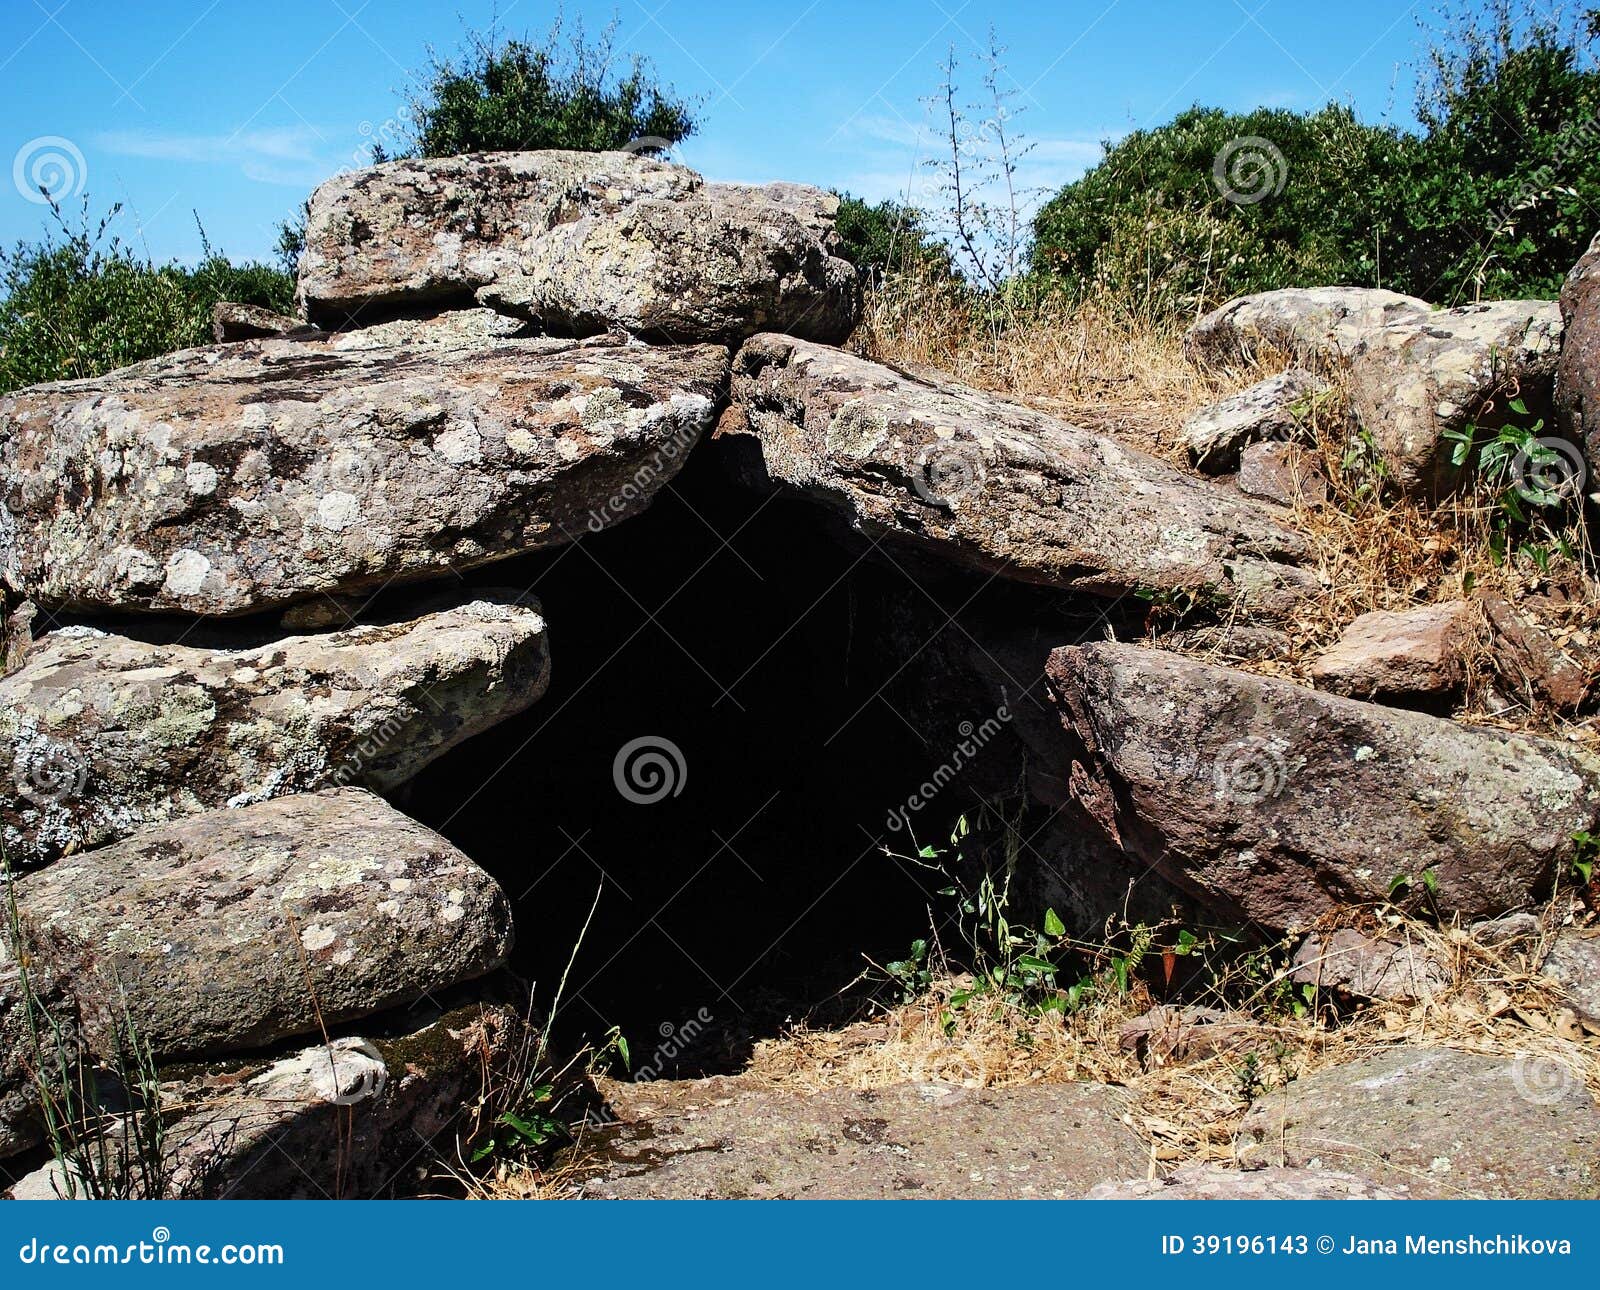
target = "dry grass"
x: 1495, y: 1003
x: 1106, y: 367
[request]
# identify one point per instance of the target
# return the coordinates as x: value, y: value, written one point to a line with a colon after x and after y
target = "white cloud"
x: 293, y: 156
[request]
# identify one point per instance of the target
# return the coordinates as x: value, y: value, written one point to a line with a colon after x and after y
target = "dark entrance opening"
x: 740, y: 651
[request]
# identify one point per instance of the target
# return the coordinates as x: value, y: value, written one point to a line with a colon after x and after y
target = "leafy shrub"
x: 82, y: 302
x: 889, y: 236
x: 515, y: 95
x: 1494, y: 196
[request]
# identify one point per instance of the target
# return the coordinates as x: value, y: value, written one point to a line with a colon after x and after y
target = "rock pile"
x: 504, y: 353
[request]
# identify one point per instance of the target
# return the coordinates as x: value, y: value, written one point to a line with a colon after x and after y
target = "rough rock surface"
x: 1437, y: 1124
x: 1284, y: 473
x: 1578, y: 375
x: 230, y: 321
x: 1415, y: 379
x: 1398, y: 655
x: 581, y: 242
x: 1318, y: 325
x: 1277, y: 802
x: 244, y: 477
x: 1531, y: 666
x: 38, y: 1042
x: 1371, y: 967
x: 237, y: 928
x: 1574, y: 964
x: 1211, y: 1182
x: 1167, y: 1035
x: 924, y: 1141
x: 104, y: 735
x: 1278, y: 408
x: 993, y: 485
x: 346, y: 1119
x: 459, y: 328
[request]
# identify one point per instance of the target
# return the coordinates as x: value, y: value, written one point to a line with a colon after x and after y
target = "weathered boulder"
x: 237, y: 928
x: 1283, y: 473
x: 1168, y: 1035
x: 580, y: 242
x: 1573, y: 963
x: 1319, y: 326
x: 39, y: 1048
x: 231, y: 321
x: 1578, y: 374
x: 459, y: 328
x: 1212, y: 1182
x: 1278, y: 408
x: 248, y: 476
x: 105, y: 734
x: 346, y: 1119
x: 924, y: 1141
x: 1276, y: 802
x: 1399, y: 655
x: 1417, y: 379
x: 1369, y: 967
x: 994, y: 486
x: 1437, y: 1124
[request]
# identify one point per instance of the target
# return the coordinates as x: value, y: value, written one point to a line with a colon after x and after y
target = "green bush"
x: 1494, y: 196
x: 80, y: 302
x: 888, y: 236
x: 515, y: 95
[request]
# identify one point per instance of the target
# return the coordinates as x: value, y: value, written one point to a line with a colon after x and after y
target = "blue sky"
x: 236, y: 109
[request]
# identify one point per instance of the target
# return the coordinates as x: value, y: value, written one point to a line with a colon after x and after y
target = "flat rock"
x: 457, y: 328
x: 1212, y: 1182
x: 1167, y: 1035
x: 1370, y: 967
x: 346, y: 1119
x: 1398, y: 655
x: 1437, y: 1124
x: 245, y: 477
x: 1283, y: 473
x: 105, y: 735
x: 991, y: 485
x: 1278, y: 408
x: 580, y: 242
x: 1278, y: 803
x: 1319, y: 326
x: 1574, y: 964
x: 1578, y: 373
x: 231, y: 321
x: 1417, y: 379
x: 231, y: 930
x: 924, y: 1141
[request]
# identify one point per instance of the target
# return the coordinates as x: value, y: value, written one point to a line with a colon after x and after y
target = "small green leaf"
x: 1053, y: 926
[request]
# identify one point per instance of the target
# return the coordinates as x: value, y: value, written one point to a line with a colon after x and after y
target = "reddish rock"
x: 1530, y: 663
x: 1578, y: 375
x: 1397, y: 655
x: 1282, y: 472
x: 1371, y: 967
